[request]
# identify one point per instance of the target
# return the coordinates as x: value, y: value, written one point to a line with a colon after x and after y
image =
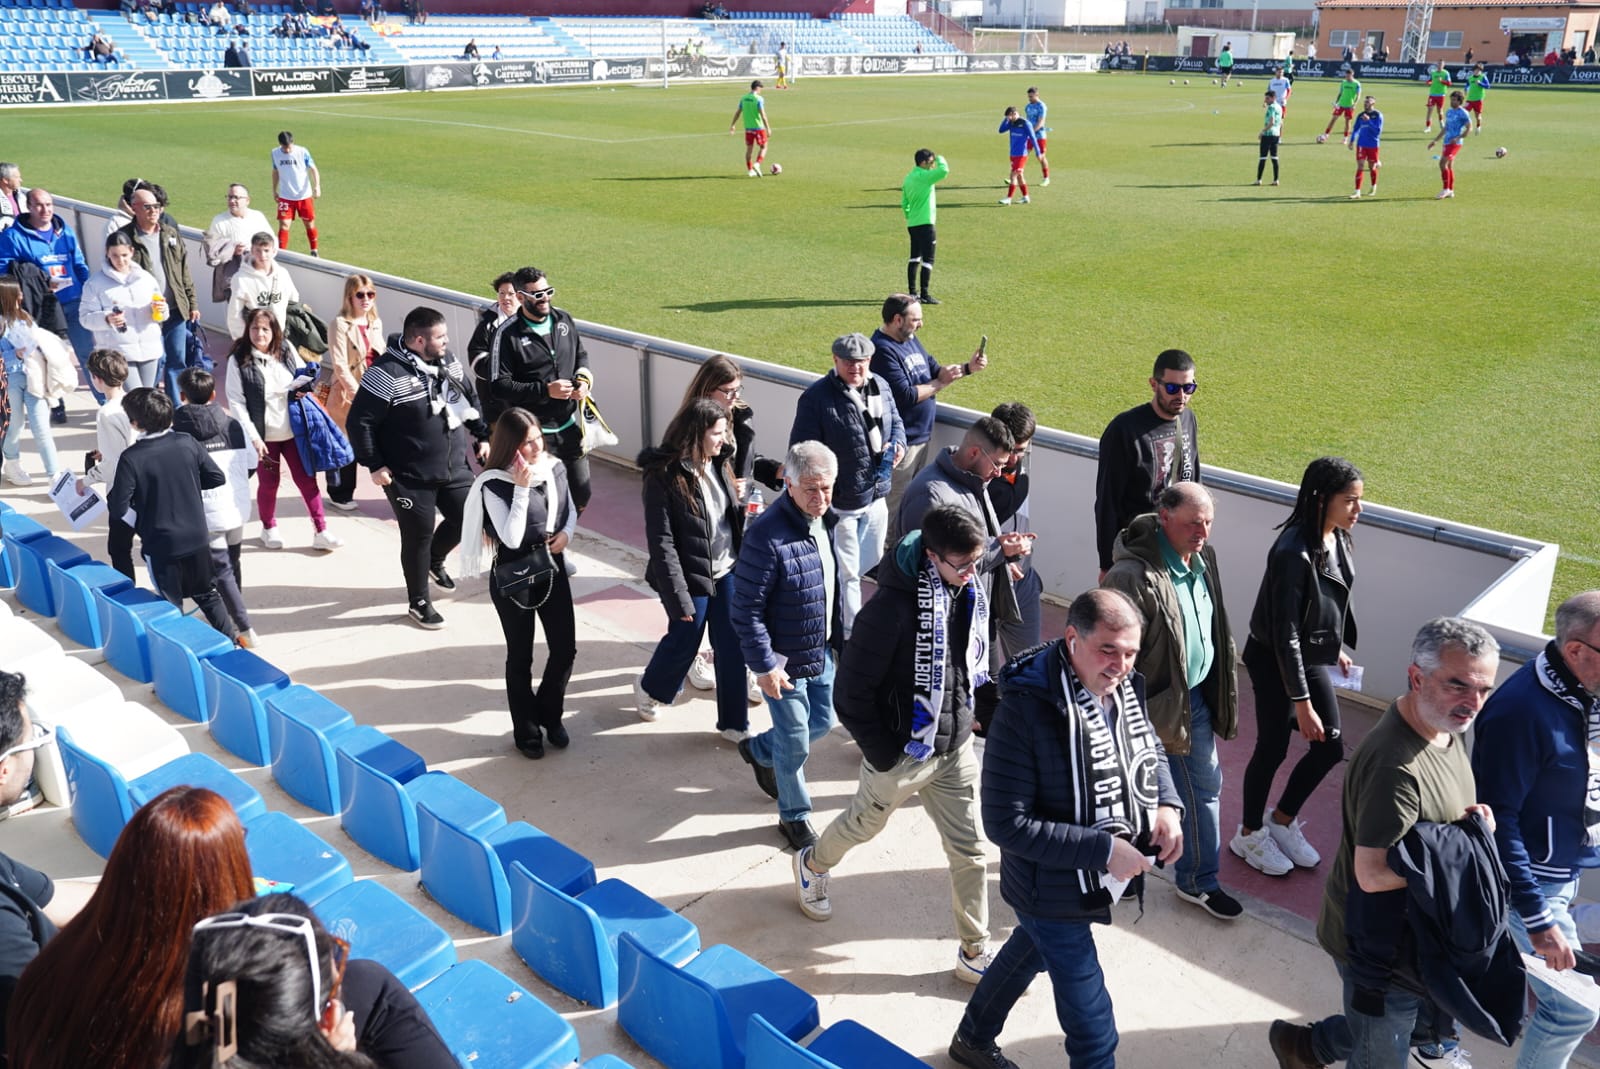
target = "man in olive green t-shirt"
x: 920, y: 203
x: 1412, y: 767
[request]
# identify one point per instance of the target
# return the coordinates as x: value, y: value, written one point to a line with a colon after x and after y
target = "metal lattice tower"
x: 1414, y: 38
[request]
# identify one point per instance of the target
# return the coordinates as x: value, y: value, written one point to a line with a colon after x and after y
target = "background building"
x: 1530, y: 27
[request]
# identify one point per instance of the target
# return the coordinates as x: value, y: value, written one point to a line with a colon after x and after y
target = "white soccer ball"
x: 1172, y: 81
x: 1322, y: 139
x: 1213, y: 81
x: 1501, y: 151
x: 777, y: 168
x: 1186, y: 81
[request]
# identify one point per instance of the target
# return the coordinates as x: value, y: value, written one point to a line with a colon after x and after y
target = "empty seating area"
x: 444, y: 37
x: 52, y: 35
x: 895, y: 34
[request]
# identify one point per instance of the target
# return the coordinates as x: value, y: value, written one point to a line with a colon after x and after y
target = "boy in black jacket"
x: 160, y: 479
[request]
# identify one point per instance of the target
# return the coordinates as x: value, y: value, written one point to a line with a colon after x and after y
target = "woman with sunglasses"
x: 1299, y: 629
x: 108, y: 990
x: 356, y: 341
x: 353, y: 1004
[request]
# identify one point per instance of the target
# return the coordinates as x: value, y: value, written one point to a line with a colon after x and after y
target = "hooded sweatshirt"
x: 223, y: 438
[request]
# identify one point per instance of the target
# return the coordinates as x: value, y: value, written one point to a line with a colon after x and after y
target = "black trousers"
x: 423, y: 545
x: 119, y: 547
x: 568, y: 446
x: 1275, y: 725
x: 342, y: 483
x: 530, y: 709
x: 191, y: 577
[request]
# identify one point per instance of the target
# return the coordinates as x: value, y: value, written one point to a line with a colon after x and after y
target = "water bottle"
x: 754, y: 503
x: 116, y: 310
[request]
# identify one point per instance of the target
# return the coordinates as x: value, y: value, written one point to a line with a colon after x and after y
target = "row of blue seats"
x: 603, y: 943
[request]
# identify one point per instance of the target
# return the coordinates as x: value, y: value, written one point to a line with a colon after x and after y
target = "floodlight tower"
x: 1414, y: 38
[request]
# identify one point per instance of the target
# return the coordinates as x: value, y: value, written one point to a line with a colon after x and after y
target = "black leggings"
x: 421, y: 544
x: 1275, y: 723
x: 530, y: 709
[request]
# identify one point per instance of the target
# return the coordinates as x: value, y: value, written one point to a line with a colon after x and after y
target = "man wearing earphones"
x: 1145, y: 450
x: 1078, y: 796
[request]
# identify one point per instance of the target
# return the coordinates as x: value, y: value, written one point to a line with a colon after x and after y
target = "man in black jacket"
x: 1145, y: 450
x: 160, y: 478
x: 537, y: 362
x: 405, y: 426
x: 904, y: 692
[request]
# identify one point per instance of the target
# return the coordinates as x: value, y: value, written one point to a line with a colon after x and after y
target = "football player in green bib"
x: 1477, y: 86
x: 1344, y: 105
x: 1438, y: 82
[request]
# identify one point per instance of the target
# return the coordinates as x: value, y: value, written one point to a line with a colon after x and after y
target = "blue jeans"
x: 1064, y: 949
x: 857, y: 546
x: 175, y: 345
x: 36, y: 412
x: 669, y: 664
x: 1363, y: 1042
x: 1559, y: 1024
x: 1198, y: 777
x: 799, y: 718
x: 82, y: 340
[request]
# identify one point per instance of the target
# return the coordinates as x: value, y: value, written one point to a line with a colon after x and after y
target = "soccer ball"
x: 1186, y: 81
x: 777, y: 168
x: 1500, y: 152
x: 1172, y: 81
x: 1213, y: 81
x: 1322, y: 139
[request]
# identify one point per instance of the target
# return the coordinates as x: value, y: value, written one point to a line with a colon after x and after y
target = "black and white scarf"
x: 1557, y: 679
x: 1114, y: 765
x: 933, y: 640
x: 869, y: 403
x: 444, y: 392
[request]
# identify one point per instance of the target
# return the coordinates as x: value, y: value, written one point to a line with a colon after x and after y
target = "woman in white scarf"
x: 117, y: 307
x: 523, y: 496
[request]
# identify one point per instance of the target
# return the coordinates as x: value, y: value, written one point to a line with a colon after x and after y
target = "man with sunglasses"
x: 1145, y: 450
x: 905, y: 694
x: 161, y: 250
x: 1534, y: 761
x: 537, y: 362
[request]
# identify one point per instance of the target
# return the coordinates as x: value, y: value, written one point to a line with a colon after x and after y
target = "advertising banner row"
x: 102, y: 87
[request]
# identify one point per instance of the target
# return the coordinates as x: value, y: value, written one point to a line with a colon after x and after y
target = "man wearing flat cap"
x: 852, y: 412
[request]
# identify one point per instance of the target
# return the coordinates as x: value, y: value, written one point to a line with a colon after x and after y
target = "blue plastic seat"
x: 846, y: 1045
x: 491, y: 1022
x: 696, y: 1016
x: 378, y: 793
x: 237, y: 682
x: 125, y: 616
x: 302, y: 726
x: 103, y: 801
x: 380, y: 925
x: 177, y: 646
x: 605, y: 1061
x: 77, y: 613
x: 571, y: 940
x: 34, y: 557
x: 283, y: 849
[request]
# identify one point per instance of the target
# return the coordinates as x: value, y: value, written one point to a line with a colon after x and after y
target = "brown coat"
x: 345, y: 363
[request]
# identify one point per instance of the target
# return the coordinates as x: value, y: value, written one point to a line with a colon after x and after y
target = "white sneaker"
x: 270, y: 539
x: 248, y: 639
x: 1356, y: 195
x: 647, y: 706
x: 15, y: 475
x: 1025, y: 199
x: 811, y: 888
x: 702, y: 676
x: 971, y: 970
x: 342, y: 506
x: 1291, y: 842
x: 1260, y: 852
x: 734, y: 735
x: 752, y: 173
x: 752, y: 689
x: 326, y: 541
x: 1005, y: 200
x: 1045, y: 182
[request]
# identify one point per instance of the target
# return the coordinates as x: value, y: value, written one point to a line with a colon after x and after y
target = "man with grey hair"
x: 227, y: 239
x: 1535, y: 763
x: 1165, y: 563
x: 13, y: 198
x: 1412, y: 767
x: 785, y: 610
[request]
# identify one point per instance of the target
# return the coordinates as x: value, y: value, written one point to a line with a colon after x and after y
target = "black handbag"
x: 528, y: 579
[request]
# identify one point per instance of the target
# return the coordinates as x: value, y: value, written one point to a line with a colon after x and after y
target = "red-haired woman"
x: 108, y: 990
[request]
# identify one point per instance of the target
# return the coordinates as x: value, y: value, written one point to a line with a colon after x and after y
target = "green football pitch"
x: 1447, y: 347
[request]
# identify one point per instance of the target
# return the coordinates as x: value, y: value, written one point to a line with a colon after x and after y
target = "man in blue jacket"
x: 40, y: 238
x: 851, y: 411
x: 786, y: 612
x: 1078, y: 797
x: 1534, y: 763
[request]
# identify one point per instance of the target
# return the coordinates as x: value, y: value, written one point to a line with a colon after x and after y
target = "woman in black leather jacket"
x: 1298, y: 630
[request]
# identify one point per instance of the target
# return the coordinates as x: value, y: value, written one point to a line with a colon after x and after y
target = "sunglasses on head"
x: 1174, y: 388
x: 294, y: 926
x: 42, y: 736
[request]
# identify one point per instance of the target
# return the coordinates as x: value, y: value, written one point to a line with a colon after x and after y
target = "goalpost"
x: 1009, y: 39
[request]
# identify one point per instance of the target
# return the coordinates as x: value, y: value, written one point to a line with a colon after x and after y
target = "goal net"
x: 1012, y: 39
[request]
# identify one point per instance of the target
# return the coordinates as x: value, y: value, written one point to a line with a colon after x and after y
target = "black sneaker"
x: 425, y: 616
x: 928, y: 298
x: 558, y: 737
x: 58, y: 415
x: 441, y: 578
x: 799, y: 833
x: 973, y: 1057
x: 1219, y: 903
x: 1291, y: 1044
x: 532, y: 750
x: 766, y: 779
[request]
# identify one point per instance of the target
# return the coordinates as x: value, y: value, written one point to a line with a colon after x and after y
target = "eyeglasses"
x: 1174, y: 388
x: 290, y: 924
x: 42, y: 736
x: 730, y: 392
x: 537, y: 295
x: 995, y: 463
x: 338, y: 958
x: 144, y: 206
x: 366, y: 295
x: 1579, y: 641
x: 966, y: 568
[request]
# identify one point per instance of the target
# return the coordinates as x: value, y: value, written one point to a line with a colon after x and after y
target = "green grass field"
x: 1446, y: 347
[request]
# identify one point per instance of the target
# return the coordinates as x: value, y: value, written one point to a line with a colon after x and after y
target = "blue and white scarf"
x: 933, y: 637
x: 1557, y: 679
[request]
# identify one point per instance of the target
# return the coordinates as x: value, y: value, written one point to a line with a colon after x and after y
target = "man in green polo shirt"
x: 1163, y: 561
x: 920, y: 203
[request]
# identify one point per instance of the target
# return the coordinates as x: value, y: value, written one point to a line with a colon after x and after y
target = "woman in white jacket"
x: 36, y: 377
x: 261, y: 282
x: 117, y: 307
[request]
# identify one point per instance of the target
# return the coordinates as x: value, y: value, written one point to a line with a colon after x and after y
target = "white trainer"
x: 701, y: 675
x: 971, y: 970
x: 648, y: 707
x: 1005, y: 200
x: 1260, y: 852
x: 752, y: 689
x: 14, y: 473
x: 734, y: 735
x: 811, y: 888
x: 326, y: 541
x: 1356, y: 195
x: 270, y: 539
x: 1045, y: 182
x: 1291, y: 842
x: 1025, y: 198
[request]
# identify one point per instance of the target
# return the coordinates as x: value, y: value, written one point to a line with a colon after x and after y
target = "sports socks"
x: 927, y: 269
x: 311, y: 236
x: 911, y: 275
x: 283, y: 236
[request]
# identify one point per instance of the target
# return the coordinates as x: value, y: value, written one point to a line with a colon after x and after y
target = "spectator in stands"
x: 357, y: 339
x: 113, y: 434
x: 119, y: 305
x: 237, y: 53
x: 471, y: 51
x: 522, y: 494
x: 369, y: 11
x: 99, y: 49
x: 218, y: 16
x: 693, y: 529
x: 123, y: 214
x: 227, y: 239
x: 159, y: 248
x: 496, y: 54
x: 786, y: 611
x: 261, y: 282
x: 13, y: 198
x: 39, y: 238
x: 108, y: 990
x: 38, y: 371
x: 405, y: 426
x: 1299, y: 628
x: 264, y: 379
x: 491, y: 316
